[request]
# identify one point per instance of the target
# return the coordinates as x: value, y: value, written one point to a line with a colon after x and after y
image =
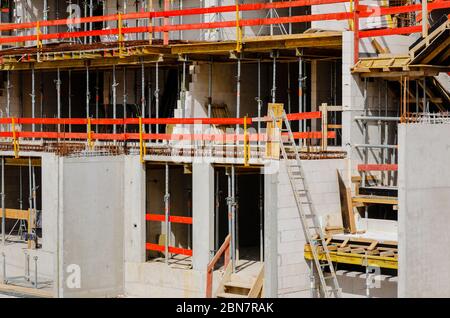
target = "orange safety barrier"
x: 172, y: 219
x: 172, y: 250
x: 378, y: 167
x: 359, y: 12
x: 91, y: 135
x: 224, y: 250
x: 168, y: 13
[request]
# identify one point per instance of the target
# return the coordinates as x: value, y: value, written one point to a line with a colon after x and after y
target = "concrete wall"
x: 354, y: 285
x: 91, y: 220
x: 293, y: 272
x: 380, y: 101
x: 397, y: 44
x: 134, y: 210
x: 159, y: 280
x: 424, y: 201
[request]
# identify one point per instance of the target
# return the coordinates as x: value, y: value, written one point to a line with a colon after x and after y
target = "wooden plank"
x: 26, y: 291
x: 344, y: 243
x: 375, y: 200
x: 15, y: 214
x: 225, y: 279
x: 255, y: 291
x: 372, y: 246
x: 379, y: 48
x: 348, y: 218
x: 273, y: 147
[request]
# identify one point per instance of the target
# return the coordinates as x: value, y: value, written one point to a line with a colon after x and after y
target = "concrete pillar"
x: 270, y: 234
x: 352, y: 98
x: 49, y: 201
x: 134, y: 212
x: 203, y: 214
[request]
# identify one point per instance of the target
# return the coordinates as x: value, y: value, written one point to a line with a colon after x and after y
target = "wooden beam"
x: 375, y: 200
x: 15, y: 214
x: 348, y: 218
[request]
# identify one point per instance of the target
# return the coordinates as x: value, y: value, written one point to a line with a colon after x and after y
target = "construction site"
x: 225, y: 148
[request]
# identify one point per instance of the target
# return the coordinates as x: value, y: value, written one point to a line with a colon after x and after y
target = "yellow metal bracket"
x: 150, y: 22
x: 350, y: 21
x: 121, y: 37
x: 15, y: 140
x: 89, y: 134
x: 238, y: 29
x: 38, y: 36
x: 246, y: 144
x: 142, y: 148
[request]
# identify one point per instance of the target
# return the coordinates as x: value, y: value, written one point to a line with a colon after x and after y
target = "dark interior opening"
x: 249, y: 210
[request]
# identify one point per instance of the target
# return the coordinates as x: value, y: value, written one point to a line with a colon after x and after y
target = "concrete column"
x: 49, y: 201
x: 203, y: 214
x: 270, y: 234
x: 134, y: 212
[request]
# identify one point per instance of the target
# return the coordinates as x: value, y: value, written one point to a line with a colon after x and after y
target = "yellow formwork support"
x: 355, y: 259
x: 15, y: 141
x: 89, y: 134
x: 142, y: 148
x: 238, y: 29
x: 38, y: 36
x: 121, y: 38
x: 273, y: 130
x: 246, y: 145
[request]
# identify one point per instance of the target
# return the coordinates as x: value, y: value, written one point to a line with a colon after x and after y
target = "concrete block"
x: 290, y: 247
x: 292, y: 258
x: 291, y: 236
x: 289, y: 224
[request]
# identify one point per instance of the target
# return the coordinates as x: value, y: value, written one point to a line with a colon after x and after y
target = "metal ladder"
x: 311, y: 226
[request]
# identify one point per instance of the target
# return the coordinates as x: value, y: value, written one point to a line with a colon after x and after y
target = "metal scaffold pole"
x: 125, y: 95
x: 114, y: 96
x: 88, y: 97
x: 301, y: 106
x: 157, y: 95
x: 150, y: 97
x: 210, y: 88
x: 8, y: 94
x: 91, y: 13
x: 69, y: 96
x: 3, y: 206
x: 33, y: 97
x: 274, y: 76
x: 45, y: 16
x: 41, y: 100
x: 216, y: 212
x: 183, y: 90
x: 230, y: 204
x: 97, y: 97
x: 58, y: 96
x: 259, y: 101
x: 167, y: 214
x: 143, y: 106
x: 261, y: 217
x: 233, y: 217
x: 30, y: 202
x: 238, y: 91
x: 34, y: 201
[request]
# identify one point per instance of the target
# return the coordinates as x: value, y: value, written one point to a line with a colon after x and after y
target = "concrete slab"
x: 424, y: 200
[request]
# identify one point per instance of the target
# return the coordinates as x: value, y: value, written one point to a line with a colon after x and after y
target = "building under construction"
x: 225, y: 148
